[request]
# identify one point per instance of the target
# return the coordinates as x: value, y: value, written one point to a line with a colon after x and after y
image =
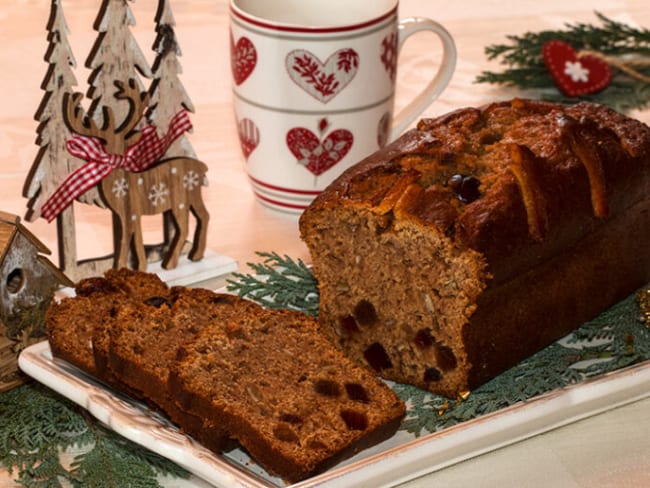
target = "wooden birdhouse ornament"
x: 127, y: 152
x: 29, y: 281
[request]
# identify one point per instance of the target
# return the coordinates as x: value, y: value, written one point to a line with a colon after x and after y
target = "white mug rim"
x: 265, y: 23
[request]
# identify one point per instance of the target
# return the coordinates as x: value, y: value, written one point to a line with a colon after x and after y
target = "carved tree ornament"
x: 53, y: 161
x: 121, y: 113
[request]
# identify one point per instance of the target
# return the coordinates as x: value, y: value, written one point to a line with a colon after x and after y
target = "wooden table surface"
x: 610, y: 449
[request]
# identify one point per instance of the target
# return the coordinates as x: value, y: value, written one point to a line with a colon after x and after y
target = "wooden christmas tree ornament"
x: 127, y: 153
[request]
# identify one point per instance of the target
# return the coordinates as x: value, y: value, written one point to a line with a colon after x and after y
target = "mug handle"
x: 406, y: 28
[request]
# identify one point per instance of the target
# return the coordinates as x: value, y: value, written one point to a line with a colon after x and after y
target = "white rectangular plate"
x: 394, y: 461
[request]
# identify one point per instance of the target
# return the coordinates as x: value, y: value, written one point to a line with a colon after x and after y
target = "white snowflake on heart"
x: 576, y: 71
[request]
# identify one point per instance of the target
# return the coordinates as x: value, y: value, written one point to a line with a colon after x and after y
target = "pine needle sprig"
x: 278, y: 282
x: 525, y: 69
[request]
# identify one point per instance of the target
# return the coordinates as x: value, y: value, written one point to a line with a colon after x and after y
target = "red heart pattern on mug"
x: 388, y: 54
x: 322, y: 80
x: 383, y: 129
x: 319, y: 155
x: 249, y: 136
x: 575, y: 75
x: 243, y: 58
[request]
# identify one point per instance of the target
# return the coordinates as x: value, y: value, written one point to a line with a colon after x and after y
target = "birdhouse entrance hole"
x: 15, y: 280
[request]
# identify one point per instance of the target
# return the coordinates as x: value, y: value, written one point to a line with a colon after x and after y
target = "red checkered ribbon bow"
x: 138, y: 157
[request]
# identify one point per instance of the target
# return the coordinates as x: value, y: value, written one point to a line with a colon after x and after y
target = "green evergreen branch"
x: 278, y: 282
x: 525, y: 69
x: 37, y: 423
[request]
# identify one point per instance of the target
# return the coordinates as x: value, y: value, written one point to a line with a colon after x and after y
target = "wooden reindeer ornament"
x: 109, y: 166
x: 123, y: 162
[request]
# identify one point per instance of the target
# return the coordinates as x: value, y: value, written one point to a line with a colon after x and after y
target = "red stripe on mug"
x: 284, y: 190
x: 278, y: 203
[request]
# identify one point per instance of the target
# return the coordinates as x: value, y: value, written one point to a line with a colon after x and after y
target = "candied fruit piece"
x: 284, y: 433
x: 316, y: 444
x: 92, y: 285
x: 327, y: 388
x: 445, y: 357
x: 432, y: 374
x: 377, y: 357
x: 157, y: 302
x: 356, y: 392
x: 365, y: 313
x: 291, y: 418
x: 348, y: 323
x: 221, y: 300
x: 465, y: 187
x: 354, y: 420
x: 424, y: 339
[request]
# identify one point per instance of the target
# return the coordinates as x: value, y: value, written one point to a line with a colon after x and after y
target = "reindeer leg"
x: 138, y: 243
x: 201, y: 232
x: 181, y: 221
x: 121, y: 241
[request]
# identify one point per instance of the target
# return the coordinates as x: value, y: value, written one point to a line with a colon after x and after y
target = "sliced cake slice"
x: 143, y: 343
x: 294, y: 401
x: 71, y: 323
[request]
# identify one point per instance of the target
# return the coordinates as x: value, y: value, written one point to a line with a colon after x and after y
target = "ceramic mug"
x: 314, y: 85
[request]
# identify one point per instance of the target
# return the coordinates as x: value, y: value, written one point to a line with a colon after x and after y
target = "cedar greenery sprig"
x: 525, y: 67
x: 278, y: 282
x: 37, y: 423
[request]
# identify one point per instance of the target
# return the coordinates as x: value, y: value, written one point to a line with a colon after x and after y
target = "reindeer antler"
x: 138, y: 102
x: 116, y: 139
x: 77, y: 120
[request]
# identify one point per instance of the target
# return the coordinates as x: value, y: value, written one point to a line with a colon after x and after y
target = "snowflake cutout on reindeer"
x: 191, y: 180
x: 158, y: 194
x: 120, y: 188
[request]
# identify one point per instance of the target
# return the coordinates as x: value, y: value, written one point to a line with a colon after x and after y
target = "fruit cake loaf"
x: 294, y: 401
x: 480, y: 237
x: 70, y: 323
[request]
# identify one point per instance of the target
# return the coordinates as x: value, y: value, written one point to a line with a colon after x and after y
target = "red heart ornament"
x: 575, y: 75
x: 316, y: 155
x: 243, y: 58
